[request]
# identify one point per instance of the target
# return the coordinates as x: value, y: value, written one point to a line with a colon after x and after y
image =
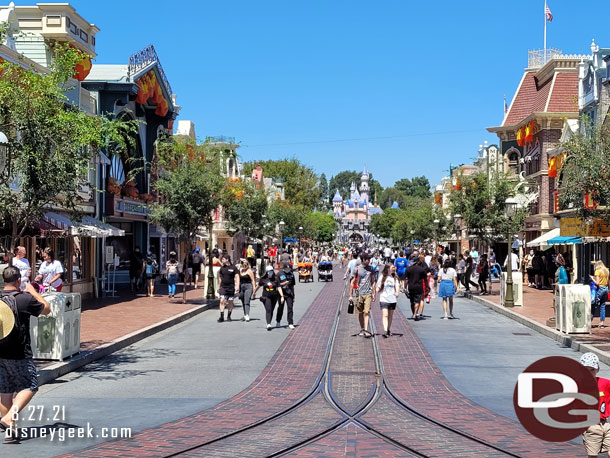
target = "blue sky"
x: 405, y: 87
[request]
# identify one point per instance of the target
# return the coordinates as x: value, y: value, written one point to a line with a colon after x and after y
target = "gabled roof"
x: 557, y: 94
x: 337, y: 197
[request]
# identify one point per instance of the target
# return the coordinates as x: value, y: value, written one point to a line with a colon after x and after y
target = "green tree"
x: 481, y: 204
x: 586, y: 170
x: 322, y: 226
x: 190, y: 187
x: 391, y: 195
x: 51, y: 144
x: 416, y: 187
x: 382, y: 223
x: 325, y: 199
x: 300, y: 181
x: 244, y: 207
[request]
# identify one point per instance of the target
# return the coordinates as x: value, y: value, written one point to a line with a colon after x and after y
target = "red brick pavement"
x: 538, y: 306
x: 351, y: 441
x: 290, y: 375
x: 108, y: 319
x: 412, y: 375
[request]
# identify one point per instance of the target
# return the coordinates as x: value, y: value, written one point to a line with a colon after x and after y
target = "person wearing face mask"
x: 228, y: 278
x: 272, y: 292
x: 528, y: 269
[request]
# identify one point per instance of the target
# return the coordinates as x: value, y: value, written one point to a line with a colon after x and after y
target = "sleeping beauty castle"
x: 354, y: 214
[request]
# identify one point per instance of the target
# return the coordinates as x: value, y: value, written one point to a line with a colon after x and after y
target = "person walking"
x: 172, y: 270
x: 246, y: 285
x: 18, y: 377
x: 50, y: 272
x: 228, y: 279
x: 136, y: 267
x: 447, y: 288
x: 597, y: 437
x: 362, y: 287
x: 387, y: 254
x: 197, y: 261
x: 460, y: 268
x: 388, y: 287
x: 538, y: 269
x: 401, y: 265
x: 287, y: 283
x: 251, y: 256
x: 469, y: 267
x: 528, y: 274
x: 417, y: 273
x: 151, y: 269
x: 22, y: 263
x: 483, y: 269
x: 600, y: 278
x: 432, y: 278
x: 272, y: 292
x: 284, y: 259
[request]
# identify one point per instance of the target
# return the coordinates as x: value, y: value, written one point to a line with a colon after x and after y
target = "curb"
x: 564, y: 339
x: 50, y: 373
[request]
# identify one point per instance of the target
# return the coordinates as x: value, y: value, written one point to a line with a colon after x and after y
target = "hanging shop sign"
x: 577, y: 227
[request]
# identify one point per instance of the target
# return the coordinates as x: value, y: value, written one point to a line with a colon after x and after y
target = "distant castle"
x: 354, y: 214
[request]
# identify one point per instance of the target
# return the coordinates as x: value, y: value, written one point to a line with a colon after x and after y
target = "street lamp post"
x: 281, y: 225
x: 510, y: 210
x: 300, y: 236
x: 211, y: 294
x: 458, y: 228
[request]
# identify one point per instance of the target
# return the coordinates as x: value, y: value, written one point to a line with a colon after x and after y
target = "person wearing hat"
x: 272, y: 292
x: 197, y: 261
x: 172, y: 270
x: 362, y: 287
x: 597, y: 437
x: 18, y: 378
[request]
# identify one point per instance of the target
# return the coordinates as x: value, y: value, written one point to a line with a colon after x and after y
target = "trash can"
x: 517, y: 288
x: 56, y: 336
x: 575, y: 313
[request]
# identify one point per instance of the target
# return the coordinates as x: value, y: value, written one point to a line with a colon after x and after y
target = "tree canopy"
x: 415, y: 187
x: 300, y: 181
x: 51, y: 144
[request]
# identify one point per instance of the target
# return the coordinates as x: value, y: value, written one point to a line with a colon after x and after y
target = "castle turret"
x: 364, y: 186
x: 337, y: 204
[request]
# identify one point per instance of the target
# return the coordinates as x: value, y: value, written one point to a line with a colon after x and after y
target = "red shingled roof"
x: 532, y: 97
x: 565, y: 93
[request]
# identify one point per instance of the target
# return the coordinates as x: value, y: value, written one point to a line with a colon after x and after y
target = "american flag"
x: 549, y: 15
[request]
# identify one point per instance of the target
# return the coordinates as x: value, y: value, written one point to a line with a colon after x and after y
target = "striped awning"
x: 89, y: 226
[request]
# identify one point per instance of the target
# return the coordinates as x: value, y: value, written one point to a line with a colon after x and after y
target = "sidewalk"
x: 111, y: 323
x: 537, y: 309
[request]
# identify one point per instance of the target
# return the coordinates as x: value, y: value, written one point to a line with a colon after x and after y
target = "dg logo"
x: 556, y: 399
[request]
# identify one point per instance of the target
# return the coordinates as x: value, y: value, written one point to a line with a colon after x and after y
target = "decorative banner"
x: 553, y: 166
x: 521, y: 137
x: 589, y: 201
x: 82, y: 68
x: 458, y: 184
x: 576, y: 227
x: 529, y: 132
x: 438, y: 198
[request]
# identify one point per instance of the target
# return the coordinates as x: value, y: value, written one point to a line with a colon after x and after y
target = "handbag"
x: 350, y: 307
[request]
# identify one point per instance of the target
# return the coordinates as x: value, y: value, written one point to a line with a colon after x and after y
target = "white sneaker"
x: 269, y: 326
x: 291, y: 326
x: 277, y: 325
x: 247, y: 317
x: 446, y: 317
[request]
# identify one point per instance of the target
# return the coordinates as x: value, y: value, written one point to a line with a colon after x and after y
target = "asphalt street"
x: 173, y: 374
x: 199, y: 363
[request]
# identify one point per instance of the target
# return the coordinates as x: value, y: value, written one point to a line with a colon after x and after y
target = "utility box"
x: 56, y: 336
x: 517, y: 288
x: 573, y: 310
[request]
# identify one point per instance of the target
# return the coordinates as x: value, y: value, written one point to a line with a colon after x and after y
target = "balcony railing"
x: 220, y: 139
x: 142, y: 59
x: 537, y: 58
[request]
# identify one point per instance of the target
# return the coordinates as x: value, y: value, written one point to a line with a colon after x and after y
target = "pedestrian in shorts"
x: 362, y: 287
x: 18, y: 377
x: 417, y: 273
x: 228, y: 279
x: 388, y: 286
x: 597, y: 437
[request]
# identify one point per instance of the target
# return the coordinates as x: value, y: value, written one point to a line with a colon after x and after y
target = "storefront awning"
x: 544, y: 238
x: 89, y: 226
x: 564, y: 240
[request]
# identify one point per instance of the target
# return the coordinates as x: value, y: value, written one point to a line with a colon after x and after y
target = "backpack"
x: 15, y: 338
x: 172, y: 269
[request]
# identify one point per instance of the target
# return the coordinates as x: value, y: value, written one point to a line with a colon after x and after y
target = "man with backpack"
x: 197, y: 261
x: 18, y: 377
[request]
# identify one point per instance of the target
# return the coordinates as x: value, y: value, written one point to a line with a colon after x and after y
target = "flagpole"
x: 544, y: 16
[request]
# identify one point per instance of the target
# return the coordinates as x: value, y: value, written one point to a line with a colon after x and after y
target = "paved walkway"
x: 409, y: 370
x: 538, y: 306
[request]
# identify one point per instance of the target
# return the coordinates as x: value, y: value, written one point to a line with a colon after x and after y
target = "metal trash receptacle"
x: 576, y: 309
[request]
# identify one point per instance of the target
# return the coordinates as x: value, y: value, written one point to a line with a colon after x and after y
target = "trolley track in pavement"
x: 323, y: 395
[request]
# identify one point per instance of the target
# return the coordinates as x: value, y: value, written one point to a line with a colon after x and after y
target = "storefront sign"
x: 131, y: 208
x: 576, y: 227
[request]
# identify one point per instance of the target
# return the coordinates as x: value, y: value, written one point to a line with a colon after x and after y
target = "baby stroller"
x: 325, y: 271
x: 305, y: 269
